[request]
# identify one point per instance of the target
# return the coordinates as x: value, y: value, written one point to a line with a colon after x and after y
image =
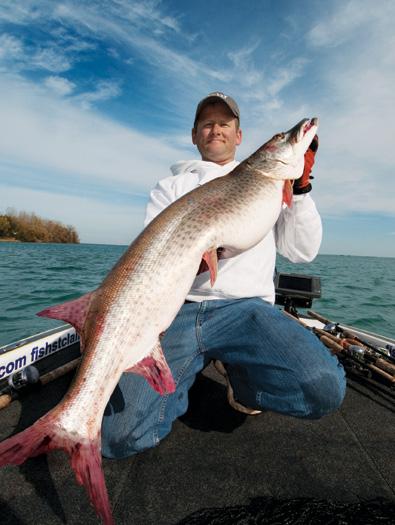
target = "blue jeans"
x: 273, y: 363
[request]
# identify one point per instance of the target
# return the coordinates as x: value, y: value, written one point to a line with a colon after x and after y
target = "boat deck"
x: 220, y: 466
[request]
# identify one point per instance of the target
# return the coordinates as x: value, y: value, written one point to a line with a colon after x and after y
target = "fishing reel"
x: 28, y: 376
x: 24, y: 380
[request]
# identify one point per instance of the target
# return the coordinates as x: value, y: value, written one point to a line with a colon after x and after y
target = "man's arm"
x: 298, y: 231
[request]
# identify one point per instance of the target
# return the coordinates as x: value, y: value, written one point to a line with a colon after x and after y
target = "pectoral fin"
x: 211, y: 259
x: 287, y: 193
x: 156, y: 371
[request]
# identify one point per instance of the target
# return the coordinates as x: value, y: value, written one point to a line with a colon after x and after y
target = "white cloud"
x: 148, y: 12
x: 359, y: 113
x: 243, y: 62
x: 11, y: 11
x: 349, y: 20
x: 241, y: 56
x: 17, y: 56
x: 284, y: 76
x: 41, y: 131
x: 354, y: 97
x: 105, y: 90
x: 59, y: 85
x: 132, y: 24
x: 50, y: 58
x: 11, y: 48
x: 143, y: 30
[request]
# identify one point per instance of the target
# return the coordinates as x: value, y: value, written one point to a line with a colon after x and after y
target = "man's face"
x: 217, y: 133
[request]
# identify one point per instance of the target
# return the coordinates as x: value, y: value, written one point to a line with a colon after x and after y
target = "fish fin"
x: 86, y: 463
x: 73, y: 312
x: 288, y: 193
x: 85, y: 458
x: 156, y: 371
x: 211, y: 259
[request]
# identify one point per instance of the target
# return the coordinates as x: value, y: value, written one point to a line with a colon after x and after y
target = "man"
x: 270, y: 361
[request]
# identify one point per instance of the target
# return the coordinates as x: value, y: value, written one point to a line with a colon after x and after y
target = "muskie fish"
x: 120, y: 322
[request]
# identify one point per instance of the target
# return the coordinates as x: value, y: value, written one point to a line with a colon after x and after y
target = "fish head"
x: 282, y: 157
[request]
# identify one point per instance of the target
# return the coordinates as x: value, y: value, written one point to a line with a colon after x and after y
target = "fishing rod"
x: 351, y: 350
x: 387, y: 353
x: 362, y: 355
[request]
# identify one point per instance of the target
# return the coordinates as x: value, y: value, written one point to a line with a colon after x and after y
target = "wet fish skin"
x: 120, y: 322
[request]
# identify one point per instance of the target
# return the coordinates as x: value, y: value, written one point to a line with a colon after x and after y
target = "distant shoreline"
x: 29, y: 227
x: 4, y: 239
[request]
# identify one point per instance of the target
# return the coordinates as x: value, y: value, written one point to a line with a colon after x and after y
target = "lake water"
x: 355, y: 290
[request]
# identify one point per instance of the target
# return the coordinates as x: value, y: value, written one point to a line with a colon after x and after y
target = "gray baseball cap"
x: 215, y: 97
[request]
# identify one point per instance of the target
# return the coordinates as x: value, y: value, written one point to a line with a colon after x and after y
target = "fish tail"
x: 31, y: 442
x: 85, y: 458
x: 86, y: 463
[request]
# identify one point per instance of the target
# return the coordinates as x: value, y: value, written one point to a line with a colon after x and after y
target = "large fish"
x: 120, y: 322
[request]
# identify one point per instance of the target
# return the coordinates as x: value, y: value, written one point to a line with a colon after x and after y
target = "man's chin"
x: 215, y: 152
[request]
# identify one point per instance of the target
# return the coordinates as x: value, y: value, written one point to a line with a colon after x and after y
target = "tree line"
x: 28, y: 227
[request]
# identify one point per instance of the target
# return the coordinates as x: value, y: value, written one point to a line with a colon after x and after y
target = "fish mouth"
x: 302, y: 128
x: 309, y: 124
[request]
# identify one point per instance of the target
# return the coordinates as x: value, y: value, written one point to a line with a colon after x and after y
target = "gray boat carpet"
x: 219, y: 466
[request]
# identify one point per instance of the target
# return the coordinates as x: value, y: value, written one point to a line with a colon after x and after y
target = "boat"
x: 218, y: 465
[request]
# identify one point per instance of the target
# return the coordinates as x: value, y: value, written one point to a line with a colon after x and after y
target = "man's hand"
x: 303, y: 185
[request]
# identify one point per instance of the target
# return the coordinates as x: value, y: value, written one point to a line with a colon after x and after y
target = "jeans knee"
x: 324, y: 394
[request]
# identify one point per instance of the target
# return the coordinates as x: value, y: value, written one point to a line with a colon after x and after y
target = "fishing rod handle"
x: 332, y: 345
x: 58, y: 372
x: 319, y: 317
x: 326, y: 334
x: 381, y: 372
x: 384, y: 365
x: 5, y: 400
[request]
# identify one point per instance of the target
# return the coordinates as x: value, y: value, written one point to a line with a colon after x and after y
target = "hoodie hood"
x: 203, y: 169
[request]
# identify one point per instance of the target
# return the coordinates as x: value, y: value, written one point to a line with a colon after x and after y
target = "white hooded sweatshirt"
x: 296, y: 235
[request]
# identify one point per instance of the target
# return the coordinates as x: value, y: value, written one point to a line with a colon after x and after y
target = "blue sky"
x: 97, y: 101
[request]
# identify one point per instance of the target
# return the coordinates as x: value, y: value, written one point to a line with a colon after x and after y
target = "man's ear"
x: 193, y: 136
x: 239, y: 136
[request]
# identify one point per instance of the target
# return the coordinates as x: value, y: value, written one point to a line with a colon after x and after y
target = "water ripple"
x: 34, y: 276
x: 355, y: 290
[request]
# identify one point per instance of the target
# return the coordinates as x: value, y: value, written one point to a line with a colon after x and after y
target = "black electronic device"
x: 296, y: 290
